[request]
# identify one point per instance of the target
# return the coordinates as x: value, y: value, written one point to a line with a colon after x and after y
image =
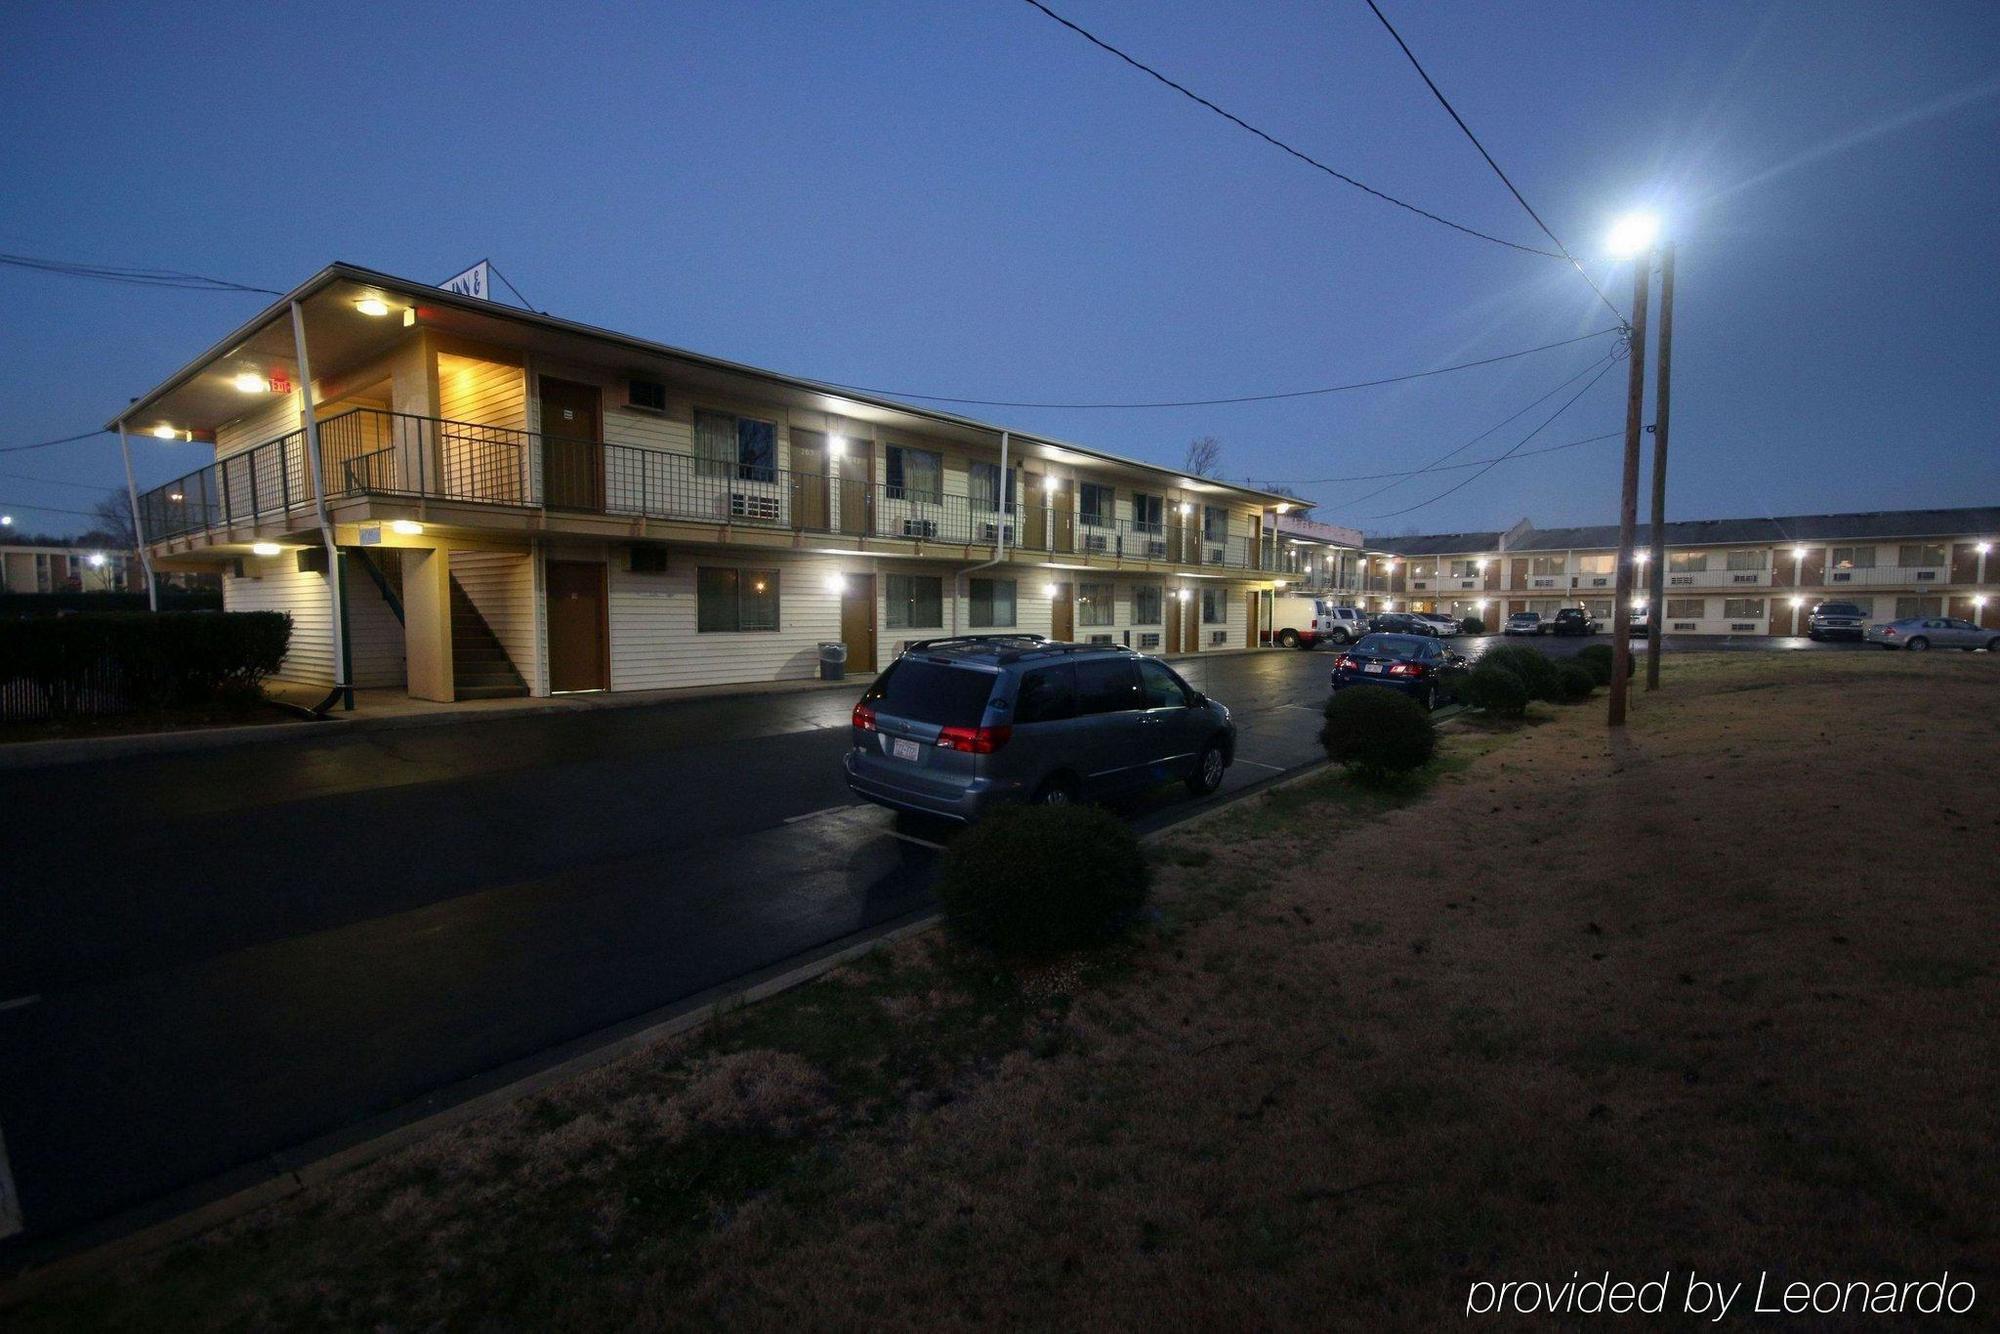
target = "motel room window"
x: 913, y: 600
x: 992, y: 604
x: 1146, y: 603
x: 1148, y: 513
x: 1687, y: 562
x: 1465, y: 569
x: 1915, y: 555
x: 1863, y: 607
x: 1686, y: 609
x: 730, y: 599
x: 1214, y: 523
x: 726, y: 445
x: 1854, y: 558
x: 1597, y: 562
x: 1908, y: 607
x: 1748, y: 560
x: 1547, y: 565
x: 1095, y: 604
x: 915, y: 474
x: 1214, y: 606
x: 1096, y: 504
x: 1742, y: 609
x: 983, y: 485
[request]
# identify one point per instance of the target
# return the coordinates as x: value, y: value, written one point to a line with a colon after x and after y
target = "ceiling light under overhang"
x: 407, y: 527
x: 265, y: 548
x: 250, y: 382
x: 165, y: 433
x: 372, y: 305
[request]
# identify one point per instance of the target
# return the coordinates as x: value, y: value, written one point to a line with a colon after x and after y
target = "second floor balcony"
x: 369, y: 453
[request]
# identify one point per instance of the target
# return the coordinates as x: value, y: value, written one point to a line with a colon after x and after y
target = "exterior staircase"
x: 480, y: 667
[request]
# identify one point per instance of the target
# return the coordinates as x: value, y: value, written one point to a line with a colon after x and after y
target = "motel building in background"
x: 457, y: 499
x: 1724, y: 576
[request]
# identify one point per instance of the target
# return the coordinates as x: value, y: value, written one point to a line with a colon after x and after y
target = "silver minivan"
x: 955, y: 726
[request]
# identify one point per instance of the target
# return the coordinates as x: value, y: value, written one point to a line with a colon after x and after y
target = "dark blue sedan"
x: 1408, y: 663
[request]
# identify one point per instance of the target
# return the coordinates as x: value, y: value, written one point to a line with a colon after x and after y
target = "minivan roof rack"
x: 948, y: 640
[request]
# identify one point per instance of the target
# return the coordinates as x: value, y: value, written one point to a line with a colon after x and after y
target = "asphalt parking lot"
x: 279, y: 943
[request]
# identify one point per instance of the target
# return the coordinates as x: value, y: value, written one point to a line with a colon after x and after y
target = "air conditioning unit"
x: 1683, y: 579
x: 1149, y: 639
x: 1926, y: 575
x: 990, y: 532
x: 1544, y: 583
x: 1468, y: 583
x: 1096, y: 542
x: 646, y: 560
x: 1742, y: 578
x: 1842, y: 576
x: 1214, y: 555
x: 749, y: 505
x: 1743, y: 625
x: 1683, y: 625
x: 1156, y: 548
x: 1102, y: 639
x: 920, y: 528
x: 1600, y: 583
x: 1217, y: 637
x: 1420, y: 584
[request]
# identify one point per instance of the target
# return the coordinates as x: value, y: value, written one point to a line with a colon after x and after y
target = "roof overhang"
x: 354, y: 315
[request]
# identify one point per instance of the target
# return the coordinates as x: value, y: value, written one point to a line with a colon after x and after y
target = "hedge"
x: 1496, y: 689
x: 1376, y: 732
x: 1472, y: 625
x: 1598, y: 659
x: 1535, y: 668
x: 110, y: 662
x: 1577, y: 682
x: 1037, y: 880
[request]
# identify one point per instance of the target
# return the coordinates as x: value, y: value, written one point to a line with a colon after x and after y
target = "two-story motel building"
x: 457, y: 498
x: 1724, y: 576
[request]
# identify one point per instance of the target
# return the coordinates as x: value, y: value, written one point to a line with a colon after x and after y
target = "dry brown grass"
x: 1719, y: 995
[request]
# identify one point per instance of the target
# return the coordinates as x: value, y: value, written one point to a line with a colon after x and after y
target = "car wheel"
x: 1429, y: 699
x: 1208, y: 767
x: 1288, y: 639
x: 1339, y: 636
x: 1058, y: 790
x: 1919, y: 644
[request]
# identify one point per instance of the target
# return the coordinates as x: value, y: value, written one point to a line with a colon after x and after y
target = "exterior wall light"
x: 1186, y: 508
x: 1050, y: 483
x: 836, y: 445
x: 96, y: 559
x: 1050, y: 590
x: 372, y: 305
x: 1798, y: 602
x: 250, y: 383
x: 165, y: 433
x: 1985, y: 547
x: 407, y: 527
x: 836, y: 583
x: 265, y: 548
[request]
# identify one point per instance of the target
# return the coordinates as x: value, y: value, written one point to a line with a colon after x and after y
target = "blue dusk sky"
x: 964, y: 198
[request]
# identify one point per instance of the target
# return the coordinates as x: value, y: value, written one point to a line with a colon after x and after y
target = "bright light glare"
x: 836, y: 583
x: 164, y: 433
x: 407, y: 527
x: 251, y: 383
x: 836, y: 445
x: 1050, y: 590
x: 372, y: 306
x: 96, y: 558
x: 1633, y: 233
x: 265, y: 548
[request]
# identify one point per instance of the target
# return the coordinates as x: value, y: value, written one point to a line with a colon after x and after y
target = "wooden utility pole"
x: 1628, y: 500
x: 1656, y: 606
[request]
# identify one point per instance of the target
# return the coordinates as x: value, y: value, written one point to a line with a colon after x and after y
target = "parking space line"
x: 912, y: 838
x: 814, y: 815
x: 19, y: 1002
x: 1274, y: 768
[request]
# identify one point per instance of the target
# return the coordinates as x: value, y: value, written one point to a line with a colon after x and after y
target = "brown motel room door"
x: 857, y: 621
x: 578, y: 642
x: 572, y: 452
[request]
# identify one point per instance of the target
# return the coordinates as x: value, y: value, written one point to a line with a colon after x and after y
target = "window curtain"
x: 714, y: 444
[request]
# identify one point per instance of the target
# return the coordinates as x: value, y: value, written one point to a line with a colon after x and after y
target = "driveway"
x: 212, y: 960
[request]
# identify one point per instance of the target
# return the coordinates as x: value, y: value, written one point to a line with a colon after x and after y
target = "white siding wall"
x: 501, y: 585
x: 276, y: 585
x: 279, y: 416
x: 375, y: 637
x: 655, y: 646
x: 486, y: 392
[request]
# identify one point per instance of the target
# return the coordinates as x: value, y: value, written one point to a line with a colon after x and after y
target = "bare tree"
x: 1204, y: 457
x: 111, y: 520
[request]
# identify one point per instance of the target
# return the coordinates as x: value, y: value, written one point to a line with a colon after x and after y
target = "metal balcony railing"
x: 367, y: 451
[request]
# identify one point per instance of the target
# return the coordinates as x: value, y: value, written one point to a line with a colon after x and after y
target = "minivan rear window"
x: 932, y: 692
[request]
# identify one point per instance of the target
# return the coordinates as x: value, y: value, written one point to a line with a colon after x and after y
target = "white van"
x: 1302, y: 622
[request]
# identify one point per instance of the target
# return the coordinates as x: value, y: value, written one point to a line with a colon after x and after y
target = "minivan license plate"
x: 904, y: 750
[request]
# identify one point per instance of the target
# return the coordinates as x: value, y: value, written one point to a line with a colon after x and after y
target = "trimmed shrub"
x: 1377, y: 732
x: 1577, y: 682
x: 1598, y: 660
x: 109, y: 662
x: 1497, y: 690
x: 1534, y: 667
x: 1472, y: 625
x: 1037, y: 880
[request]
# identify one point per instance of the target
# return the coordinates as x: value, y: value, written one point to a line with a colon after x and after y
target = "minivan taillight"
x: 864, y: 716
x: 974, y: 740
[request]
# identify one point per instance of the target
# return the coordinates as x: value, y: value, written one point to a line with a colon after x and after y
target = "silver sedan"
x: 1926, y: 632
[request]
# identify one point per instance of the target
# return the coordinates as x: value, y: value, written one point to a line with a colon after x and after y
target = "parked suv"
x: 1836, y: 620
x: 956, y: 726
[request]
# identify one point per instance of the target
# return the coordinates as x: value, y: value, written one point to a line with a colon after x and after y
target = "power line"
x: 1437, y: 463
x: 1278, y: 143
x: 135, y: 277
x: 51, y: 481
x: 1241, y: 398
x: 1496, y: 462
x: 1519, y: 198
x: 49, y: 509
x: 1418, y: 472
x: 45, y: 444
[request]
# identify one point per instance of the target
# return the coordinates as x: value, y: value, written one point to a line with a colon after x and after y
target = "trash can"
x: 832, y: 661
